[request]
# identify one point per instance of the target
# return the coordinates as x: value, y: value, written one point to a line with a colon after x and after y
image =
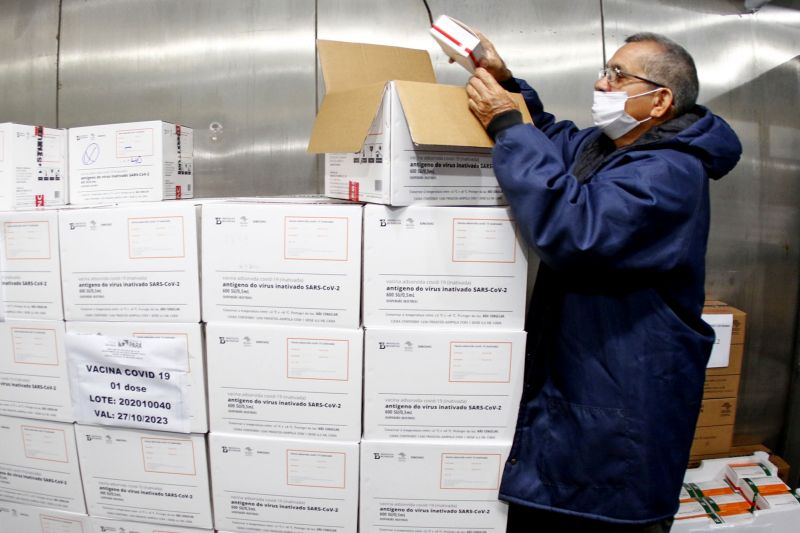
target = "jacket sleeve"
x: 637, y: 215
x: 563, y: 133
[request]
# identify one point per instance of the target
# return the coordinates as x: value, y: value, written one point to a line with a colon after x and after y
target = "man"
x: 619, y: 216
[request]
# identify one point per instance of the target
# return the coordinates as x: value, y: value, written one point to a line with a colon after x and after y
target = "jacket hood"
x: 709, y: 138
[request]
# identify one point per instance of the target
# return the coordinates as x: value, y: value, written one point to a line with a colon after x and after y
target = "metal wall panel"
x: 247, y: 66
x: 28, y: 60
x: 748, y: 69
x: 557, y: 50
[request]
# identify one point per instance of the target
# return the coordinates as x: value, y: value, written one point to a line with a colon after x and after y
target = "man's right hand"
x: 492, y: 61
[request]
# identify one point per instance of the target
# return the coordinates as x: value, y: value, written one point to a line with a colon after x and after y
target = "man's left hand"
x: 487, y: 98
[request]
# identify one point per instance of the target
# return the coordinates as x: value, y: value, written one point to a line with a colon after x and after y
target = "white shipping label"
x: 156, y: 237
x: 484, y: 240
x: 480, y: 362
x: 470, y: 471
x: 317, y: 359
x: 35, y: 346
x: 128, y: 381
x: 57, y: 524
x: 723, y: 328
x: 135, y: 143
x: 44, y: 443
x: 310, y: 468
x: 316, y: 238
x: 20, y: 518
x: 27, y: 240
x: 168, y: 456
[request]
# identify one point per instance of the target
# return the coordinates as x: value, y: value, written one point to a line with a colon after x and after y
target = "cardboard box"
x: 429, y: 487
x: 701, y: 489
x: 104, y: 525
x: 34, y: 382
x: 734, y: 363
x: 132, y: 162
x: 146, y: 476
x: 783, y: 520
x: 736, y: 472
x: 39, y: 464
x: 131, y: 263
x: 17, y: 518
x: 392, y: 135
x: 285, y: 382
x: 721, y: 386
x: 30, y: 266
x: 299, y: 485
x: 712, y: 439
x: 717, y: 412
x: 33, y: 166
x: 787, y: 501
x: 446, y: 267
x: 750, y: 488
x: 191, y: 334
x: 739, y: 318
x: 446, y: 384
x: 292, y: 264
x: 781, y: 464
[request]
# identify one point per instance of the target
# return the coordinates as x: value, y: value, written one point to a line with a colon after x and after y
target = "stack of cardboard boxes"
x: 715, y: 426
x: 281, y: 295
x: 39, y: 471
x: 131, y: 285
x: 130, y: 282
x: 443, y: 290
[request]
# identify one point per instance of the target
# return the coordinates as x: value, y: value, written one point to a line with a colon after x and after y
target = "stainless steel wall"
x: 28, y: 61
x: 248, y: 69
x: 245, y: 66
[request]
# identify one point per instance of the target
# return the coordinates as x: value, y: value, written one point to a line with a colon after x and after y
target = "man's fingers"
x: 476, y: 88
x: 483, y: 75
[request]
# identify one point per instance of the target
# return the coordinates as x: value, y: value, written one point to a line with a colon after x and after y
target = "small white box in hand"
x: 458, y: 41
x: 443, y: 267
x: 429, y: 487
x: 33, y: 166
x: 145, y: 476
x: 132, y: 162
x: 285, y: 382
x: 442, y: 384
x: 39, y: 464
x: 30, y: 266
x: 290, y: 264
x: 275, y: 485
x: 34, y: 382
x: 131, y: 263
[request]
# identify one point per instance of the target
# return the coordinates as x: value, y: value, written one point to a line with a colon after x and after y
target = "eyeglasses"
x: 613, y: 74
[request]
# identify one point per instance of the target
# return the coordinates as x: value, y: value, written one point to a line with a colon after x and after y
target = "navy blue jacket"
x: 617, y: 348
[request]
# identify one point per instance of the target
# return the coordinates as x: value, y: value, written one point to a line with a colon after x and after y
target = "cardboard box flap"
x: 344, y: 119
x: 346, y: 66
x: 440, y: 115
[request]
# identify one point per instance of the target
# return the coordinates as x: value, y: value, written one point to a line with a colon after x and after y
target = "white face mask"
x: 608, y: 112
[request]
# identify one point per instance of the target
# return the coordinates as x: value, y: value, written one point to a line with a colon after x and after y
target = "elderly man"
x: 619, y: 216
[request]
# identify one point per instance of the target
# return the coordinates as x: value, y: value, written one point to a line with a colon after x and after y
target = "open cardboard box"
x: 761, y: 521
x: 392, y: 135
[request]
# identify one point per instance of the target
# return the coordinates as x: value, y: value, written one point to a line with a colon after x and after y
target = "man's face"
x: 629, y: 59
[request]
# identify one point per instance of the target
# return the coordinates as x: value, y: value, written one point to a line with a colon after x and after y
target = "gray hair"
x: 674, y: 68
